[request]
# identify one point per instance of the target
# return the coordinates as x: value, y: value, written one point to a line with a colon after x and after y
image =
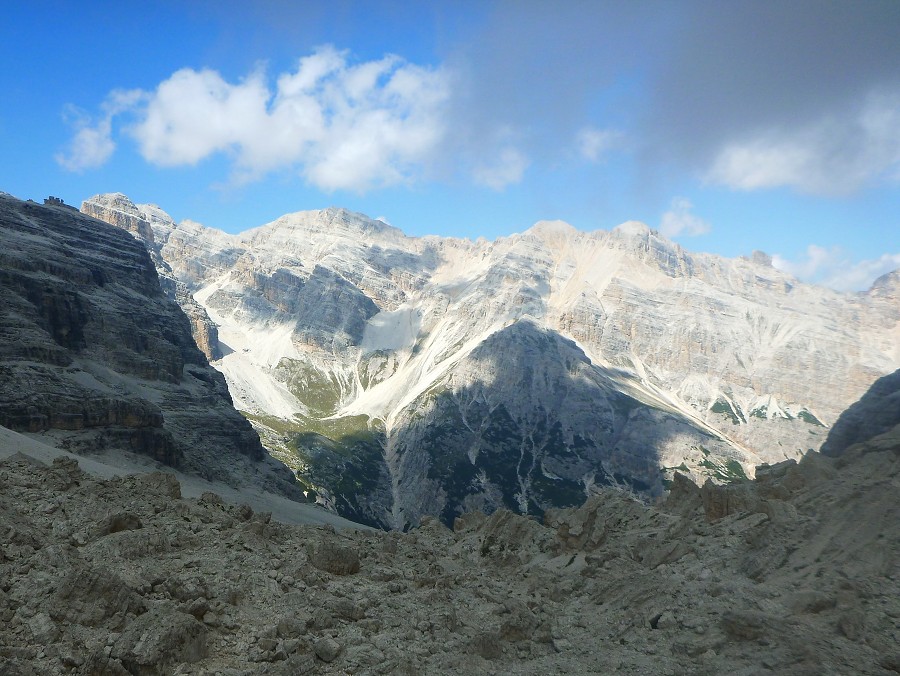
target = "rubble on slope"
x: 795, y: 573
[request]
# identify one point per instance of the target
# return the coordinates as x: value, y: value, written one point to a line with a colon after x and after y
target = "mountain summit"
x: 407, y: 376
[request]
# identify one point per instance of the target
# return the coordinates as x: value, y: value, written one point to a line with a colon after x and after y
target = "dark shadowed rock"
x: 93, y: 353
x: 877, y: 412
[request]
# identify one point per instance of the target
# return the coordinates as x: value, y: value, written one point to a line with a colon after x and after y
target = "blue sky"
x: 729, y: 126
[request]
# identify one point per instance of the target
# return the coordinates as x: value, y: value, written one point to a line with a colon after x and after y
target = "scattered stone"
x: 657, y: 591
x: 160, y: 639
x: 327, y: 649
x: 488, y: 645
x: 335, y: 559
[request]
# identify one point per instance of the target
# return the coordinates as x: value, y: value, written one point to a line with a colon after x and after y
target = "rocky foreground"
x: 795, y: 573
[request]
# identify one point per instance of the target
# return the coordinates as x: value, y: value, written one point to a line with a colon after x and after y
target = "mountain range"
x: 402, y: 377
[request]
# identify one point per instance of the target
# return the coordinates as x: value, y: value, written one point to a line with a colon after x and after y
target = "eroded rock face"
x: 95, y: 356
x: 798, y: 576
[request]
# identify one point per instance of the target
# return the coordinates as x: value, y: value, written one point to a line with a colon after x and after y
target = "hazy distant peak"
x: 633, y: 229
x: 552, y: 228
x: 886, y: 285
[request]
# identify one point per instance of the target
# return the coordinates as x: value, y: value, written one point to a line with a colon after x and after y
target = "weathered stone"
x: 488, y: 645
x: 158, y: 640
x: 93, y: 596
x: 335, y: 559
x: 745, y: 625
x: 327, y: 649
x: 720, y: 501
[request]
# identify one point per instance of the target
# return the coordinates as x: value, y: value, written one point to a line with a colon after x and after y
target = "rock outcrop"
x: 367, y: 359
x: 96, y: 358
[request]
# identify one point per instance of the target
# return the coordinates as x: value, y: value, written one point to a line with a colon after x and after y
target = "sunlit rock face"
x: 95, y: 357
x: 406, y: 376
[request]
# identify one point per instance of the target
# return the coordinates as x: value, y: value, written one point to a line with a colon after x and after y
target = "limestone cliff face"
x: 368, y: 359
x: 118, y: 210
x: 94, y: 355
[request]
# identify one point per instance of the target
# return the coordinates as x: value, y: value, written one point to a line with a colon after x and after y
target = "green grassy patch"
x: 728, y: 472
x: 319, y: 392
x: 726, y: 409
x: 809, y: 418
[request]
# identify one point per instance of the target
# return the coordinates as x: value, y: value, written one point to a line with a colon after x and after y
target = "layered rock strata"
x: 96, y: 357
x: 118, y: 210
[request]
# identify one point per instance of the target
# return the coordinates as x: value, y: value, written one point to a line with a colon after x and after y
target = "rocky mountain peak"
x: 633, y: 229
x: 552, y: 232
x: 140, y: 220
x: 119, y: 210
x: 761, y: 258
x: 379, y: 356
x: 887, y: 286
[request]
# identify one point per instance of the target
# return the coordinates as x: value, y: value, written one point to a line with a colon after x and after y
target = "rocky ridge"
x: 96, y: 359
x: 797, y: 572
x: 351, y: 346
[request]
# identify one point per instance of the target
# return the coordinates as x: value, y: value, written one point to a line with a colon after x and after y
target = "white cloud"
x: 92, y: 144
x: 832, y: 268
x: 505, y: 168
x: 834, y: 155
x: 194, y: 114
x: 679, y: 221
x: 593, y: 144
x: 341, y: 125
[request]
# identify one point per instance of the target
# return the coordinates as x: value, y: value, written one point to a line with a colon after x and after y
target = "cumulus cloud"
x: 593, y: 144
x: 802, y: 94
x: 92, y: 144
x: 834, y: 155
x: 341, y: 125
x: 831, y: 267
x: 678, y: 221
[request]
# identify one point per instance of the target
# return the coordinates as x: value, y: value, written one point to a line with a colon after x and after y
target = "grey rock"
x: 96, y: 356
x: 160, y: 639
x: 335, y: 559
x: 505, y: 594
x: 327, y: 649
